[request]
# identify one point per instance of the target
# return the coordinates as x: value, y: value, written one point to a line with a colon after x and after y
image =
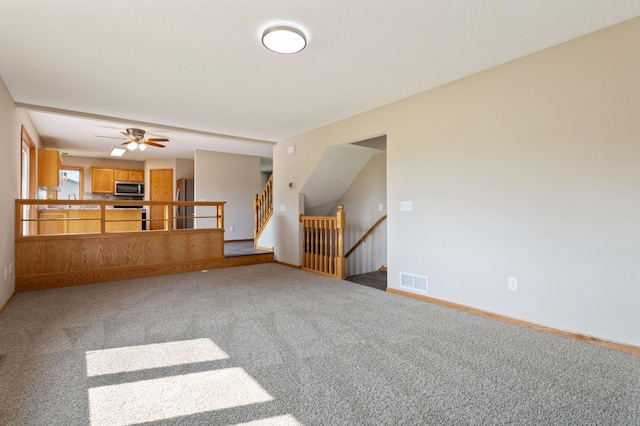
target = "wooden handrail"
x: 366, y: 234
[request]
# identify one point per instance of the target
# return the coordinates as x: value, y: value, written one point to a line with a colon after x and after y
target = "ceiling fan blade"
x: 158, y: 139
x: 108, y: 137
x: 126, y: 134
x: 154, y: 144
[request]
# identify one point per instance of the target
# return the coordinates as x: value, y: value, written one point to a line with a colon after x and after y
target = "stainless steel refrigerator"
x: 184, y: 192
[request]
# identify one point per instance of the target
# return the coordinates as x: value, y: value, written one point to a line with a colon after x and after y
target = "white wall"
x: 530, y: 169
x: 11, y: 120
x: 232, y: 178
x: 362, y: 202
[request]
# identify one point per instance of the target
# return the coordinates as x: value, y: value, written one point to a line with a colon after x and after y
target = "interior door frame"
x: 25, y: 139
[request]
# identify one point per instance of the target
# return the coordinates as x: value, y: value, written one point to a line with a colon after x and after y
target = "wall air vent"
x: 416, y: 283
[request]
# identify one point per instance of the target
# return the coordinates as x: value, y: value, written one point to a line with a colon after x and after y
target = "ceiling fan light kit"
x: 135, y: 140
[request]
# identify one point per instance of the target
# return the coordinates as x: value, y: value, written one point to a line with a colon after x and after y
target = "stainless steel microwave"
x: 134, y: 189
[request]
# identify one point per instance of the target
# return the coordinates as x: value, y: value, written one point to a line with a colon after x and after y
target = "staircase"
x: 263, y: 208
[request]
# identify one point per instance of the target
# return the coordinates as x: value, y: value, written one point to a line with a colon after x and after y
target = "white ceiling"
x: 196, y: 72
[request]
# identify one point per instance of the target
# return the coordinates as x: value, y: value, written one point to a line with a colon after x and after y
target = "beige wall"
x: 11, y: 121
x: 530, y: 169
x: 184, y: 169
x: 232, y: 178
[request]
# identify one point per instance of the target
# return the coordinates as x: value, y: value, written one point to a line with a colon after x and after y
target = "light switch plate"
x: 282, y: 207
x: 406, y: 206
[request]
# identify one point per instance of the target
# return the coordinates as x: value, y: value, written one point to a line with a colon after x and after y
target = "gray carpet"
x: 267, y: 344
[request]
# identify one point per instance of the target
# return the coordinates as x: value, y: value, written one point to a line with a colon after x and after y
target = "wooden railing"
x: 366, y: 234
x: 59, y: 217
x: 323, y: 244
x: 263, y: 207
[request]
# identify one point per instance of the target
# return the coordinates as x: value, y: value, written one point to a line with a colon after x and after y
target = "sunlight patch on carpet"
x: 171, y: 397
x: 286, y: 420
x: 157, y: 355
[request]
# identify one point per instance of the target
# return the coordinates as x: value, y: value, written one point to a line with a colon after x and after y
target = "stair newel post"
x: 340, y: 224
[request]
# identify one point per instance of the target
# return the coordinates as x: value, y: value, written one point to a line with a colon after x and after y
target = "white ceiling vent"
x: 416, y: 283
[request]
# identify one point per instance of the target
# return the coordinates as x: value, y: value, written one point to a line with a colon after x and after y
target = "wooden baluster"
x: 333, y: 248
x: 326, y: 245
x: 322, y: 246
x: 256, y: 208
x: 307, y: 246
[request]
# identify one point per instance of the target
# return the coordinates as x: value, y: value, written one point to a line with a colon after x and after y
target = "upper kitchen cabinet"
x: 136, y: 175
x: 128, y: 175
x: 102, y: 181
x: 49, y: 163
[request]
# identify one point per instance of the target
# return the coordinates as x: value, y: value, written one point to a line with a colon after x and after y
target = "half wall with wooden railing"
x: 66, y: 243
x: 263, y: 207
x: 323, y: 244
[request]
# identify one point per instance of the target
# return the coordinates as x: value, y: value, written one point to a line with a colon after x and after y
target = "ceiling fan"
x: 137, y: 140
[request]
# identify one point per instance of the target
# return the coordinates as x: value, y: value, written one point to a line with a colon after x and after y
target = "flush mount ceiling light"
x: 117, y: 152
x: 284, y: 39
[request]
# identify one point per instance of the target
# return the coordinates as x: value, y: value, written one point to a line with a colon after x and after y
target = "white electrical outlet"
x: 282, y: 207
x: 380, y: 207
x: 513, y: 283
x: 231, y: 228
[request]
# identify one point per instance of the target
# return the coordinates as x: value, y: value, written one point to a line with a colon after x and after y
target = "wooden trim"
x: 635, y: 350
x: 271, y: 249
x: 33, y: 162
x: 366, y: 234
x: 290, y: 265
x: 7, y: 302
x: 245, y: 240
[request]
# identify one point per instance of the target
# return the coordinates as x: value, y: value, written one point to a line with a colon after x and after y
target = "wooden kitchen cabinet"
x: 102, y: 181
x: 121, y: 174
x: 133, y: 220
x: 136, y: 175
x: 128, y: 175
x: 83, y: 224
x: 88, y: 221
x: 56, y: 226
x: 49, y: 164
